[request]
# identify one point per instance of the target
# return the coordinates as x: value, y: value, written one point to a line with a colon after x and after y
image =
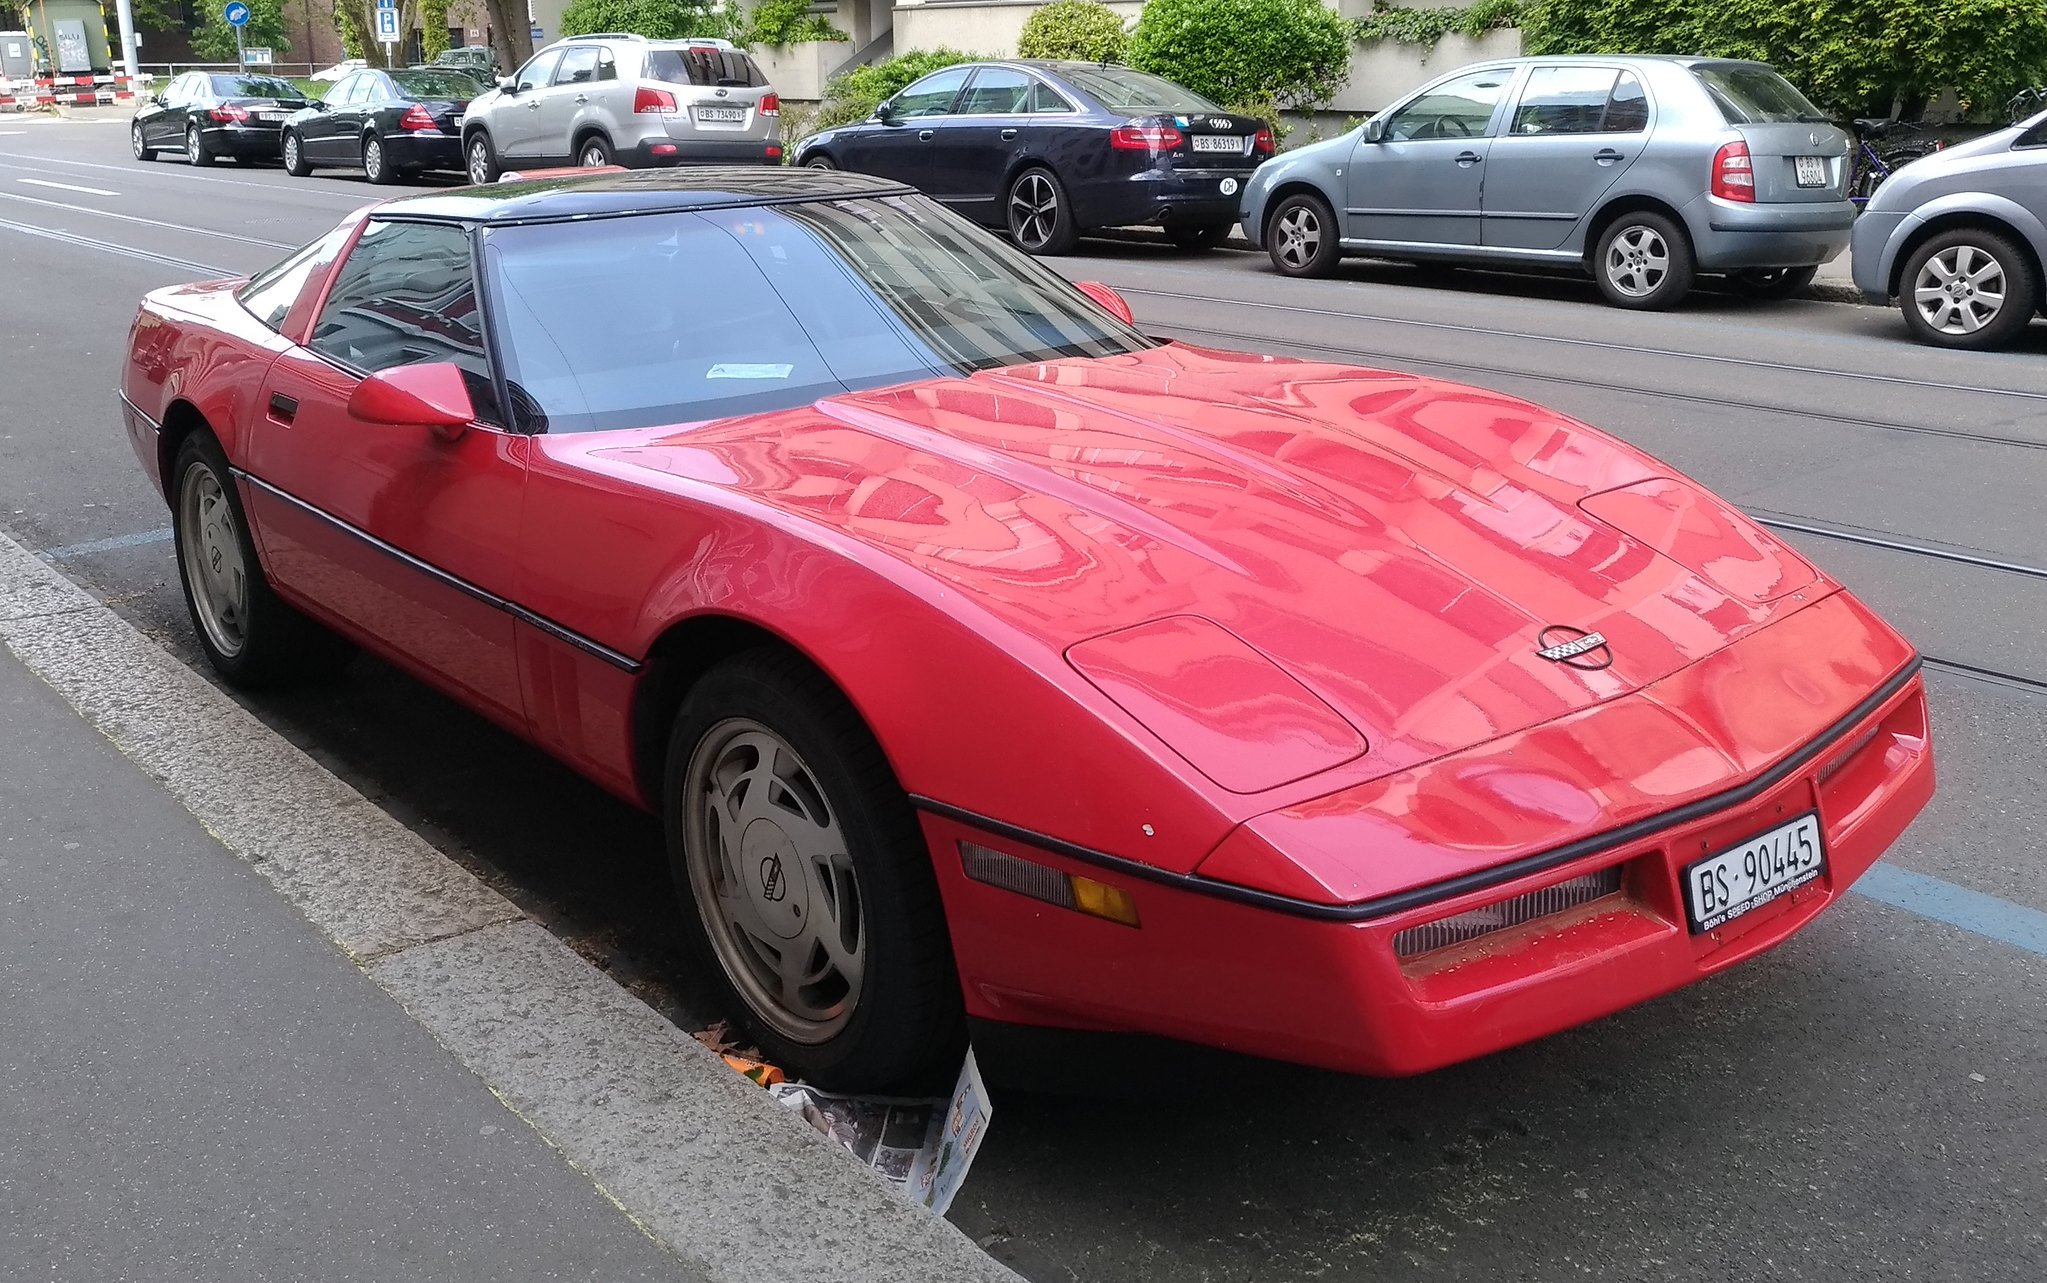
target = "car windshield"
x: 435, y: 84
x: 253, y: 87
x: 704, y: 66
x: 678, y: 318
x: 1755, y: 96
x: 1135, y: 93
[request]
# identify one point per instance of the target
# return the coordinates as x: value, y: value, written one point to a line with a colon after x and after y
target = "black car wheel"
x: 1040, y: 219
x: 814, y: 897
x: 1644, y: 262
x: 196, y: 150
x: 1198, y: 236
x: 143, y: 151
x: 1301, y: 238
x: 1772, y: 282
x: 1969, y: 288
x: 595, y: 153
x: 482, y: 159
x: 295, y: 162
x: 375, y: 165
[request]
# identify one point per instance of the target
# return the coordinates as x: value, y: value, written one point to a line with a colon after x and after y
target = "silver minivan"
x: 625, y: 100
x: 1643, y: 171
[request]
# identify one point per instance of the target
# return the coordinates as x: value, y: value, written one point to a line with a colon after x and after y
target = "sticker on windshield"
x: 725, y: 370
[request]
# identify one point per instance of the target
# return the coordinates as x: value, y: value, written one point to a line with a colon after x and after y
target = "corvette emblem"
x: 1574, y: 648
x: 774, y: 884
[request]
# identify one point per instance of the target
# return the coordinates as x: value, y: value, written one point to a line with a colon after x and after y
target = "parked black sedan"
x: 1049, y: 149
x: 205, y: 114
x: 387, y: 123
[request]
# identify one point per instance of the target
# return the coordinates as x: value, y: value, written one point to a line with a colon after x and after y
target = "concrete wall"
x: 1382, y: 71
x: 978, y: 26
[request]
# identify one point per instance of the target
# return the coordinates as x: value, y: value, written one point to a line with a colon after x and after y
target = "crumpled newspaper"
x: 924, y: 1146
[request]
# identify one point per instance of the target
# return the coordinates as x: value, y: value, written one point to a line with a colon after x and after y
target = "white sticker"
x: 724, y: 370
x: 1229, y: 187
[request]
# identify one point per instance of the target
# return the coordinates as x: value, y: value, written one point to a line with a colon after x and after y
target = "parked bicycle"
x: 2025, y: 104
x: 1881, y: 148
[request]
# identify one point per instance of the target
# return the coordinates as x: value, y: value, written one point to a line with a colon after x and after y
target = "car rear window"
x: 436, y: 84
x: 254, y: 87
x: 704, y: 67
x: 1755, y: 96
x: 1135, y: 93
x: 603, y: 324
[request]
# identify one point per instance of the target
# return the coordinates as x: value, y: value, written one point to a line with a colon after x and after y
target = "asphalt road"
x: 1865, y: 1103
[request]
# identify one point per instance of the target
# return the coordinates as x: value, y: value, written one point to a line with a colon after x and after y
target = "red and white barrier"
x: 71, y: 91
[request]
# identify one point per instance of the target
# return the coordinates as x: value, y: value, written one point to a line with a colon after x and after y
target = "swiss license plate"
x: 273, y: 115
x: 1219, y: 142
x: 721, y: 113
x: 1720, y: 888
x: 1812, y: 170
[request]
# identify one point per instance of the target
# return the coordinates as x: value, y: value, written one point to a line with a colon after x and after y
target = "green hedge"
x: 852, y: 96
x: 1428, y: 26
x: 1246, y: 54
x: 1075, y: 30
x: 655, y: 19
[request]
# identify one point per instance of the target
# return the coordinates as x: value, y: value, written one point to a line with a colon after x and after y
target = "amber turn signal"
x: 1040, y: 882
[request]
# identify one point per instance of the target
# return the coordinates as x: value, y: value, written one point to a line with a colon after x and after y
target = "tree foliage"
x: 215, y: 40
x: 1853, y: 57
x: 1428, y: 26
x: 1292, y: 53
x: 1076, y: 30
x: 433, y: 28
x: 655, y: 19
x: 779, y: 23
x: 853, y: 95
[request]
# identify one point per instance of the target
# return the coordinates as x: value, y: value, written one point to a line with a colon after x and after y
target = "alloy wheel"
x: 291, y: 151
x: 212, y: 549
x: 1033, y: 211
x: 479, y: 160
x: 195, y: 150
x: 1960, y: 290
x: 1637, y: 261
x: 773, y: 880
x: 1298, y: 236
x: 594, y: 157
x: 135, y: 141
x: 373, y: 160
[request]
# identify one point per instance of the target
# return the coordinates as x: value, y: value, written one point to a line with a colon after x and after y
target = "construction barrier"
x: 71, y: 91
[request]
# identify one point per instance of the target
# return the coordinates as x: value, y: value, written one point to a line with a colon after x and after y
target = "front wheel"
x: 1772, y: 282
x: 1301, y: 239
x: 295, y: 155
x: 1644, y: 262
x: 482, y: 159
x: 812, y: 886
x: 142, y: 150
x: 1040, y: 217
x: 595, y: 153
x: 196, y: 150
x: 1969, y: 288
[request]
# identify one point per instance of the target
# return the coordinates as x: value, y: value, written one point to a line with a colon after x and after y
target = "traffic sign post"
x: 387, y: 28
x: 237, y: 15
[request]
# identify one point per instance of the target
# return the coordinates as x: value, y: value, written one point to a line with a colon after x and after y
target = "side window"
x: 1627, y: 112
x: 174, y: 92
x: 1044, y: 98
x: 1461, y: 108
x: 270, y: 293
x: 578, y: 66
x: 368, y: 89
x: 338, y: 92
x: 538, y: 70
x: 406, y: 295
x: 996, y: 91
x: 933, y: 95
x: 1564, y: 100
x: 607, y: 66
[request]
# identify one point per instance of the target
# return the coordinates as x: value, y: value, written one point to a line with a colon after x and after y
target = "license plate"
x: 721, y: 113
x: 1219, y: 142
x: 273, y: 115
x: 1812, y: 171
x: 1720, y: 888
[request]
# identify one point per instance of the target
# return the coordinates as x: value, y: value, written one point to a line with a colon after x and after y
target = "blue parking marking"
x: 1986, y: 915
x: 107, y: 545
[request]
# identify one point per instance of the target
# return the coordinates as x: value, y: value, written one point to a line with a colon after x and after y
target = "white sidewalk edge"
x: 703, y: 1161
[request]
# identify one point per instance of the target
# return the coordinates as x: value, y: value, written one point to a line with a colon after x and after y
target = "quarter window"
x: 1461, y: 108
x: 607, y: 66
x: 407, y: 296
x: 933, y: 95
x: 996, y: 91
x: 1047, y: 100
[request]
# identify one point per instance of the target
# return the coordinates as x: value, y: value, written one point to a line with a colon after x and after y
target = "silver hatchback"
x: 625, y: 100
x: 1643, y: 171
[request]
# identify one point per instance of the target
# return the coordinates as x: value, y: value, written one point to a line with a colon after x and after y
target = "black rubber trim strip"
x: 624, y: 663
x: 140, y: 413
x: 1401, y: 902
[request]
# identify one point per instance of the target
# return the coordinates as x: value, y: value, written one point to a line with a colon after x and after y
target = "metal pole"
x: 241, y: 62
x: 124, y: 13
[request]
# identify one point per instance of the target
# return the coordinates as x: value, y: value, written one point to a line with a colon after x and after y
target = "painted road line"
x: 67, y: 187
x: 146, y: 222
x: 1929, y: 897
x: 107, y: 545
x: 127, y: 251
x: 701, y: 1159
x: 179, y: 172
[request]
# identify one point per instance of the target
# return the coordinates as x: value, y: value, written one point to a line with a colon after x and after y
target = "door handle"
x: 923, y: 135
x: 1466, y: 159
x: 1607, y: 156
x: 1008, y: 134
x: 534, y: 105
x: 283, y: 408
x: 582, y: 98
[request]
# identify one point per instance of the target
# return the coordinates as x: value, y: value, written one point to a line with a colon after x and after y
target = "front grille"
x: 1539, y: 903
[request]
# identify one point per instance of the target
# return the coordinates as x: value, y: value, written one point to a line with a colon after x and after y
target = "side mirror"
x: 1108, y: 298
x: 886, y: 112
x: 508, y: 84
x: 1375, y: 130
x: 430, y: 396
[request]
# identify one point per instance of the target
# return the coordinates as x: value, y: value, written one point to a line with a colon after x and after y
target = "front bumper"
x: 1320, y: 986
x: 1875, y: 232
x: 1729, y: 235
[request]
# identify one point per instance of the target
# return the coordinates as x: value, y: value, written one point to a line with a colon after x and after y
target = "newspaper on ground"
x: 925, y: 1146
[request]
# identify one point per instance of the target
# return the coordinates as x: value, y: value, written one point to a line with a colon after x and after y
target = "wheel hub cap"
x: 1959, y: 290
x: 213, y: 561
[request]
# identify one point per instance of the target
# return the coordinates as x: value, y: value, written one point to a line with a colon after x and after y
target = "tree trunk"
x: 511, y: 32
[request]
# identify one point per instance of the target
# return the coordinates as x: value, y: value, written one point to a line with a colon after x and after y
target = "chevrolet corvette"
x: 990, y: 661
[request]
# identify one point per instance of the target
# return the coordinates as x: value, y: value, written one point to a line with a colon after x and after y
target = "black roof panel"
x: 641, y: 191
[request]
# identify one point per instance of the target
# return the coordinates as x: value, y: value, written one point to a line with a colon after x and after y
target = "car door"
x: 515, y: 120
x: 565, y: 101
x: 316, y: 132
x: 1573, y: 132
x: 900, y: 147
x: 1422, y: 181
x: 177, y: 110
x: 345, y: 143
x: 972, y: 149
x: 399, y: 531
x: 156, y: 126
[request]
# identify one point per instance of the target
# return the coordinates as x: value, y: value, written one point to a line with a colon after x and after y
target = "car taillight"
x: 416, y: 117
x: 1144, y: 138
x: 1262, y: 142
x: 771, y: 105
x: 774, y: 152
x: 1734, y: 174
x: 229, y: 114
x: 657, y: 102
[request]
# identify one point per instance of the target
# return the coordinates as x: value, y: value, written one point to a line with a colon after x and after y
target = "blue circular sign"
x: 237, y: 14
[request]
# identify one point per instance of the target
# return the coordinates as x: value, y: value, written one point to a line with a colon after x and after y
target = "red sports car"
x: 991, y: 661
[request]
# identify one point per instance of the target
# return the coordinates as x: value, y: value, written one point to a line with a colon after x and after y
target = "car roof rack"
x: 605, y: 35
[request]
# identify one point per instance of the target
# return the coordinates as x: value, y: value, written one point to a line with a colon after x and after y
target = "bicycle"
x: 1870, y: 165
x: 2025, y: 103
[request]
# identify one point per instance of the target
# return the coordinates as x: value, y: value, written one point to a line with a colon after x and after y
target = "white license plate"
x: 1812, y: 170
x: 273, y: 115
x: 721, y: 113
x: 1720, y: 888
x: 1219, y: 142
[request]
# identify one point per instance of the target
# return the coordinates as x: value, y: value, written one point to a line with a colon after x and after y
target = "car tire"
x: 142, y: 150
x: 1195, y: 237
x: 481, y: 159
x: 196, y: 150
x: 376, y: 165
x: 1040, y: 217
x: 1969, y: 288
x: 1644, y: 262
x: 295, y: 162
x: 1771, y: 282
x: 820, y: 162
x: 248, y: 633
x: 1301, y: 236
x: 766, y: 740
x: 595, y: 152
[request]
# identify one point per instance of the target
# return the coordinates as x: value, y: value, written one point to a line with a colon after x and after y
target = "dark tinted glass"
x: 421, y: 85
x: 1627, y: 112
x: 996, y: 91
x: 1046, y: 99
x: 2035, y: 136
x: 932, y: 96
x: 406, y: 295
x: 1135, y: 93
x: 1755, y: 95
x: 703, y: 67
x: 254, y: 87
x: 603, y: 324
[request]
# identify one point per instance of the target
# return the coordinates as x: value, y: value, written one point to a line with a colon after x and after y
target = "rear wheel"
x: 196, y: 150
x: 295, y: 162
x: 1969, y: 288
x: 481, y: 158
x: 1301, y: 238
x: 1772, y: 282
x: 142, y: 150
x: 1040, y: 217
x: 376, y: 166
x: 595, y: 153
x: 1198, y: 236
x: 1644, y: 261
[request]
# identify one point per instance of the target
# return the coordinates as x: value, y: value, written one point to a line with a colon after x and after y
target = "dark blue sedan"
x: 1050, y: 149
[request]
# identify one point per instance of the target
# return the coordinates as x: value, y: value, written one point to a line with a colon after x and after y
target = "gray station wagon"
x: 1643, y: 171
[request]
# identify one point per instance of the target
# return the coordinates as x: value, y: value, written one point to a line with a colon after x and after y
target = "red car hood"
x: 1394, y: 544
